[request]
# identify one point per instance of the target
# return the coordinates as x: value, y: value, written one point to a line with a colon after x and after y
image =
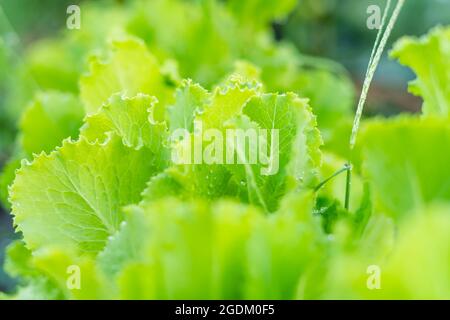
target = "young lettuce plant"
x: 111, y: 205
x: 72, y: 200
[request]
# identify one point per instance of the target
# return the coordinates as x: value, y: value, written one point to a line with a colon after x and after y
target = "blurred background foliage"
x: 336, y: 29
x: 331, y: 29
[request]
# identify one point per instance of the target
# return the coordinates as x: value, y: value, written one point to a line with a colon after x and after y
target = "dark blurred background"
x: 334, y: 29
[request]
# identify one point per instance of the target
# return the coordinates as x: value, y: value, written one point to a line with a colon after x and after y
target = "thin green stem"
x: 348, y: 184
x: 324, y: 182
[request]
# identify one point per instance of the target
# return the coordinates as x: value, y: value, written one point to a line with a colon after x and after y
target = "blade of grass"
x: 377, y: 51
x: 372, y: 68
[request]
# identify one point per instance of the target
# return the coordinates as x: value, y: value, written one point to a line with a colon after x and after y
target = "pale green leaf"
x: 429, y: 57
x: 190, y: 99
x: 222, y: 250
x: 73, y: 196
x: 293, y: 159
x: 422, y: 242
x: 131, y: 69
x: 284, y: 251
x: 48, y: 120
x: 396, y: 162
x: 129, y: 118
x: 227, y: 102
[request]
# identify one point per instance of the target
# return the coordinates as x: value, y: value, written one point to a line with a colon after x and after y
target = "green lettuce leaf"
x: 396, y: 162
x: 48, y: 120
x: 425, y: 275
x: 73, y: 196
x: 129, y: 118
x: 238, y: 104
x: 228, y: 250
x: 298, y: 149
x: 46, y: 274
x: 273, y: 271
x: 190, y: 100
x: 429, y: 57
x: 33, y: 285
x: 131, y: 69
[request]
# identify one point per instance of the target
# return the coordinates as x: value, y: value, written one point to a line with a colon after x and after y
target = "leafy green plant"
x: 93, y: 184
